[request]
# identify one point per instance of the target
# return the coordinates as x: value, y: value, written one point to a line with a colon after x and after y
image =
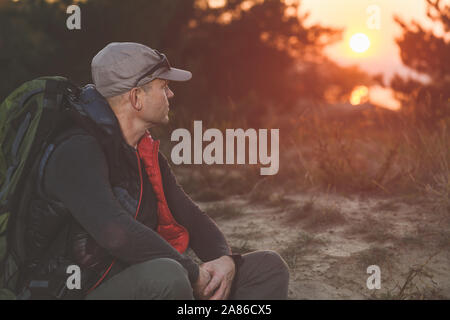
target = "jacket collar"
x: 94, y: 106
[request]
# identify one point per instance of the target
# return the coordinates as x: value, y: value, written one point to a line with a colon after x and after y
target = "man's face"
x: 155, y: 102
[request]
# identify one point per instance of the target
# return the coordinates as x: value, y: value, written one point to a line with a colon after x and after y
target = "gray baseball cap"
x: 121, y: 66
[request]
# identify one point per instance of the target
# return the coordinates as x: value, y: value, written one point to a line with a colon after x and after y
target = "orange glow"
x: 359, y: 42
x: 246, y: 5
x: 353, y: 17
x: 53, y: 1
x: 384, y: 97
x: 216, y: 3
x: 359, y: 95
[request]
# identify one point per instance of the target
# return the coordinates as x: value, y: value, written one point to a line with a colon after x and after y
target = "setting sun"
x: 359, y: 42
x: 359, y: 95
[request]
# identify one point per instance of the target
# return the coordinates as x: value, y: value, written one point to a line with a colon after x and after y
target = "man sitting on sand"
x: 132, y: 221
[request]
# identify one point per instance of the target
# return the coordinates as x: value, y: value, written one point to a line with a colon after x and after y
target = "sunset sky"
x: 383, y: 55
x: 353, y: 17
x: 373, y: 48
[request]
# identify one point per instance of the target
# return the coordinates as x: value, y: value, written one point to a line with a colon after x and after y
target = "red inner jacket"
x: 168, y: 228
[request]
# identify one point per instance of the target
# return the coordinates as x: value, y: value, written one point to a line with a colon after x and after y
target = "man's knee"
x: 277, y: 265
x: 169, y: 279
x: 263, y: 275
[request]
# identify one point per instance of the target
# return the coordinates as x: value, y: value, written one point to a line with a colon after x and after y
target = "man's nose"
x: 170, y: 94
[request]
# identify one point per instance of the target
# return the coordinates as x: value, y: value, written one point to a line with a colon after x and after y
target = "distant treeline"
x: 247, y: 57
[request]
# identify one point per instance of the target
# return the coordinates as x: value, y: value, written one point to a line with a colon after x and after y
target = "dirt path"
x: 329, y: 241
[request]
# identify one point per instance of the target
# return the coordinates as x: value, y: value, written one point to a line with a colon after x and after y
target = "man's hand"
x: 203, y: 279
x: 222, y: 273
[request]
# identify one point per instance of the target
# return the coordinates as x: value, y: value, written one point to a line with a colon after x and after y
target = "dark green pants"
x: 262, y: 275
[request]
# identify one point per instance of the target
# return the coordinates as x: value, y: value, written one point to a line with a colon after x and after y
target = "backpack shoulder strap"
x: 50, y: 147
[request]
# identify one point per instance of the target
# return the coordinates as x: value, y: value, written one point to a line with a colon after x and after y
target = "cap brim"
x: 174, y: 74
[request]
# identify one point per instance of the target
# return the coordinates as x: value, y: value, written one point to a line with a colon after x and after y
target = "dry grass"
x: 271, y: 192
x: 224, y: 211
x: 428, y: 156
x: 372, y: 230
x: 299, y: 247
x: 361, y: 156
x: 443, y: 240
x: 418, y: 284
x: 314, y: 216
x: 438, y: 236
x: 213, y: 183
x: 411, y: 241
x: 374, y: 256
x: 343, y: 156
x: 390, y: 205
x: 364, y: 156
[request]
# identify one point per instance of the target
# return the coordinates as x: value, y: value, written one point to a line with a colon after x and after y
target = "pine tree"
x: 426, y: 102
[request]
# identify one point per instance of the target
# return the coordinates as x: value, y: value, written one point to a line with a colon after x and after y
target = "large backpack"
x: 29, y: 117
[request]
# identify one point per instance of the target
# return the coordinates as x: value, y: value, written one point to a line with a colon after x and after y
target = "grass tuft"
x: 299, y: 247
x: 315, y: 216
x: 224, y: 211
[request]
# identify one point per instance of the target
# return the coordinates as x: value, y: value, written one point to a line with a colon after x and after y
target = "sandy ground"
x: 329, y: 241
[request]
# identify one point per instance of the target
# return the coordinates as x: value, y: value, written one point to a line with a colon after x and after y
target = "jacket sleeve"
x: 77, y: 175
x: 207, y: 241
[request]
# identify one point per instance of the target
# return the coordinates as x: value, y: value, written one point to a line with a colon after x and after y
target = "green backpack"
x: 29, y: 117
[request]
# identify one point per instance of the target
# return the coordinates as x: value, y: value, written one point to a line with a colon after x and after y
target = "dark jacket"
x: 87, y: 194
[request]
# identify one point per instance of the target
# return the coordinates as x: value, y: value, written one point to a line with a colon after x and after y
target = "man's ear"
x: 134, y: 96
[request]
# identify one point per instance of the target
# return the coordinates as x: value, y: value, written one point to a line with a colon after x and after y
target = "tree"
x: 428, y: 54
x: 34, y: 40
x: 246, y: 56
x: 253, y: 55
